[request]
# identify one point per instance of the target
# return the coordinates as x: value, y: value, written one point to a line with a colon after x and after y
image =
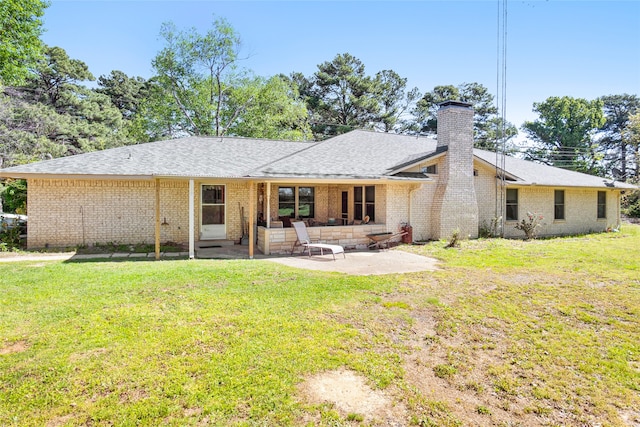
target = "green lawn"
x: 508, y: 333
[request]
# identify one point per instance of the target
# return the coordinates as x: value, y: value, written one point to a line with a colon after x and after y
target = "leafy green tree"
x: 631, y: 134
x: 28, y: 130
x: 20, y: 29
x: 486, y: 124
x: 345, y: 96
x: 618, y: 110
x: 564, y: 133
x: 393, y: 100
x: 198, y: 72
x: 54, y: 115
x: 125, y: 92
x: 200, y: 90
x: 56, y: 78
x: 273, y: 111
x: 13, y: 196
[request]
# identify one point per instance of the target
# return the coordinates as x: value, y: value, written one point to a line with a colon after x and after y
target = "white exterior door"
x: 213, y: 212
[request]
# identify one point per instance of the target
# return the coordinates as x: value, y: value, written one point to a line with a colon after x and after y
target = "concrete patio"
x: 365, y: 262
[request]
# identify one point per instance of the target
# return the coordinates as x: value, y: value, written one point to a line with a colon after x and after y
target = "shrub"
x: 455, y: 239
x: 631, y: 204
x: 9, y: 237
x: 530, y: 225
x: 14, y: 196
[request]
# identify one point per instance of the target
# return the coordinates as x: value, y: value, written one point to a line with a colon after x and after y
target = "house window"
x: 364, y: 201
x: 306, y: 202
x: 431, y: 169
x: 602, y: 204
x: 296, y: 202
x: 558, y: 204
x: 512, y: 204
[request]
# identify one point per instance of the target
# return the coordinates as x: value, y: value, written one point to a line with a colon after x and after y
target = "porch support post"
x: 252, y: 213
x: 268, y: 216
x: 192, y: 212
x: 157, y: 243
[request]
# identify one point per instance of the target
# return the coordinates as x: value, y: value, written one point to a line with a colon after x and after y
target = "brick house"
x: 220, y: 189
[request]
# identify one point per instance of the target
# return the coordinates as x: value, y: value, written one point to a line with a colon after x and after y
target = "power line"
x: 501, y: 107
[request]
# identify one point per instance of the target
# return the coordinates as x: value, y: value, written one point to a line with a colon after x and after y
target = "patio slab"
x: 362, y: 263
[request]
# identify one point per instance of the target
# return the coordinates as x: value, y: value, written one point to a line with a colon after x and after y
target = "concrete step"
x: 213, y: 243
x: 224, y: 252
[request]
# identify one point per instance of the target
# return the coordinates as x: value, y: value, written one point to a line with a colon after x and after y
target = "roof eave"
x: 40, y: 175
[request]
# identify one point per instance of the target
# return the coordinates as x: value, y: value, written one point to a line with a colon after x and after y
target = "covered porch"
x: 282, y: 240
x: 334, y: 212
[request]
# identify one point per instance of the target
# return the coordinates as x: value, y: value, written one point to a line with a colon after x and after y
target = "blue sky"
x: 554, y: 48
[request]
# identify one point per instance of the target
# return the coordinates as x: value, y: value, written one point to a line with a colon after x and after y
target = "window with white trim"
x: 558, y: 204
x: 602, y: 204
x: 511, y: 211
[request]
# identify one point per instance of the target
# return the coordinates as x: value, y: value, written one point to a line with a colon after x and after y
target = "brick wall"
x: 85, y: 212
x: 581, y: 214
x: 485, y: 186
x: 455, y: 204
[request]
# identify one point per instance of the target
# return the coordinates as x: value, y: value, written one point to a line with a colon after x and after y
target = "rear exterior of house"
x: 345, y: 188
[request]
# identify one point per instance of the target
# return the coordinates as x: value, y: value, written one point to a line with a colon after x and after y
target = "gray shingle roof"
x: 184, y: 157
x: 531, y: 173
x: 357, y: 154
x: 361, y: 154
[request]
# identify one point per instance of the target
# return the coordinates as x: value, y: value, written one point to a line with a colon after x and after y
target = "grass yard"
x: 508, y: 333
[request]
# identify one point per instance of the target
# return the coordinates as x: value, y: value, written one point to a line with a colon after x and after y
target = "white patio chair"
x: 305, y: 241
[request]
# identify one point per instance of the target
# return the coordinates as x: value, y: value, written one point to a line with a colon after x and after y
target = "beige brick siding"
x: 581, y: 211
x: 76, y: 212
x: 85, y: 212
x: 455, y: 204
x: 421, y: 202
x: 66, y: 213
x: 485, y: 185
x: 398, y: 205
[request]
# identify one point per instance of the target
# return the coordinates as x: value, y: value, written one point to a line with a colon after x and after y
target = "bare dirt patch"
x: 631, y: 418
x: 59, y: 421
x: 16, y: 347
x: 350, y: 394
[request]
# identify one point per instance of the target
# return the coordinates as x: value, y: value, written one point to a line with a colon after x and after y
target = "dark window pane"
x: 213, y: 194
x: 371, y: 211
x: 370, y: 196
x: 286, y: 202
x: 511, y: 211
x: 357, y: 194
x: 285, y: 195
x: 213, y: 214
x: 602, y: 204
x: 345, y: 204
x: 558, y: 208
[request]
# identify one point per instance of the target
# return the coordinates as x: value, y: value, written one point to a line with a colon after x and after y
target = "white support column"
x: 192, y: 213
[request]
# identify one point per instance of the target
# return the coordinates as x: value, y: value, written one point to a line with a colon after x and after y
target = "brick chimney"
x: 455, y: 205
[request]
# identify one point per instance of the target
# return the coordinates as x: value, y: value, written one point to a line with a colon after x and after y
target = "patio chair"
x: 305, y: 241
